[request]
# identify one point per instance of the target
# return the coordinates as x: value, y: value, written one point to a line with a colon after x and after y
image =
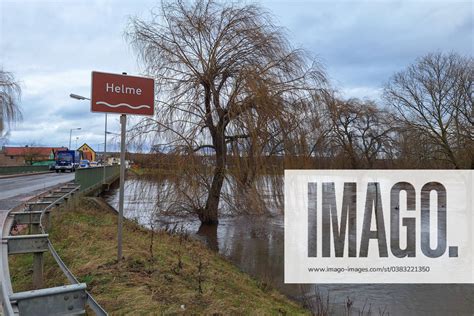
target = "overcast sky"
x: 52, y: 47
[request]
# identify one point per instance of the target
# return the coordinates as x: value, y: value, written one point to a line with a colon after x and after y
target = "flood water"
x: 255, y: 244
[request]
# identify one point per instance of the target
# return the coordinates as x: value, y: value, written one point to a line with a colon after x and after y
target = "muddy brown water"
x: 255, y: 244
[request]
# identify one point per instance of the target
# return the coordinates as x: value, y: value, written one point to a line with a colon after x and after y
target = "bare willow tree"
x: 224, y: 73
x: 434, y: 98
x: 376, y: 129
x: 353, y: 133
x: 9, y: 97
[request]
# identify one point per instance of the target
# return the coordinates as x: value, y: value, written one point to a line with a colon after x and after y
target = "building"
x: 87, y: 152
x: 28, y: 155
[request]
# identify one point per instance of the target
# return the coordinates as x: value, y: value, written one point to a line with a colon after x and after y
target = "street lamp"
x: 80, y: 97
x: 70, y: 135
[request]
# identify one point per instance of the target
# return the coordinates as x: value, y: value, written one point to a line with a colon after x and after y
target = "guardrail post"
x: 48, y: 221
x: 38, y: 262
x: 35, y: 228
x: 36, y: 244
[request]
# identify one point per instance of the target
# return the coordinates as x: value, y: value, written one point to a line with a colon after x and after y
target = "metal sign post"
x: 123, y: 123
x: 105, y: 150
x: 122, y: 94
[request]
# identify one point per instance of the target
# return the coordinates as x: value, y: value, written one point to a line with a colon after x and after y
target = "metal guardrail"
x: 27, y: 243
x: 98, y: 310
x: 91, y: 302
x: 60, y: 300
x: 41, y: 301
x: 6, y: 170
x: 6, y: 287
x: 58, y: 200
x: 6, y: 304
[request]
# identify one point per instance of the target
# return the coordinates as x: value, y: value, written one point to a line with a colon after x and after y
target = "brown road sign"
x: 123, y: 94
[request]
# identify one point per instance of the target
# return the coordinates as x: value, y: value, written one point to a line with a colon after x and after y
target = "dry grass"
x: 182, y: 277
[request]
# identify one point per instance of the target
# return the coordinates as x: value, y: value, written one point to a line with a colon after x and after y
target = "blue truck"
x: 67, y: 160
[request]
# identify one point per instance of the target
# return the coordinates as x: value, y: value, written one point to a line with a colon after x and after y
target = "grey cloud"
x: 52, y: 46
x: 363, y: 43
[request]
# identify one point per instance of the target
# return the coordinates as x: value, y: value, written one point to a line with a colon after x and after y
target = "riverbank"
x: 175, y: 275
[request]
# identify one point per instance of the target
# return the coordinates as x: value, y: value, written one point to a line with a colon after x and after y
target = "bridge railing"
x: 91, y: 179
x: 5, y: 170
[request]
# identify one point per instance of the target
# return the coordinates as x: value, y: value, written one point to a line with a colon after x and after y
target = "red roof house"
x: 11, y: 156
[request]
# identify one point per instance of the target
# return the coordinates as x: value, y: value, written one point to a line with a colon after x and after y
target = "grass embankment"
x: 182, y: 276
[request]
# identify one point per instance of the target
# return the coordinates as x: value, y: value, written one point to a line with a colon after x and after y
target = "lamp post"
x: 70, y: 135
x: 82, y: 98
x: 78, y: 97
x: 105, y: 150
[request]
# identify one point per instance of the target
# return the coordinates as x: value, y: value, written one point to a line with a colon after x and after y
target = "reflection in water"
x: 255, y: 244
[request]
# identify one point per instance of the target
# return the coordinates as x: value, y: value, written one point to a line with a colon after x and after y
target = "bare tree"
x: 358, y: 132
x: 9, y: 97
x: 224, y: 73
x: 376, y: 129
x: 434, y: 97
x: 344, y: 117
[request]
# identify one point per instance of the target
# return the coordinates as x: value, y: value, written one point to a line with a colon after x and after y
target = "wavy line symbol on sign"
x: 123, y: 104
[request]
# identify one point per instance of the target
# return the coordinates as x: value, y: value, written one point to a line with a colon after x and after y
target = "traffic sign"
x: 123, y: 94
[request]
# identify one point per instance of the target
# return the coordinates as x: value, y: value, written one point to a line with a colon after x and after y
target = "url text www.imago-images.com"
x: 379, y: 226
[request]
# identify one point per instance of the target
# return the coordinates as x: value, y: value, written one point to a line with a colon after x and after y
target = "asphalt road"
x: 14, y: 191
